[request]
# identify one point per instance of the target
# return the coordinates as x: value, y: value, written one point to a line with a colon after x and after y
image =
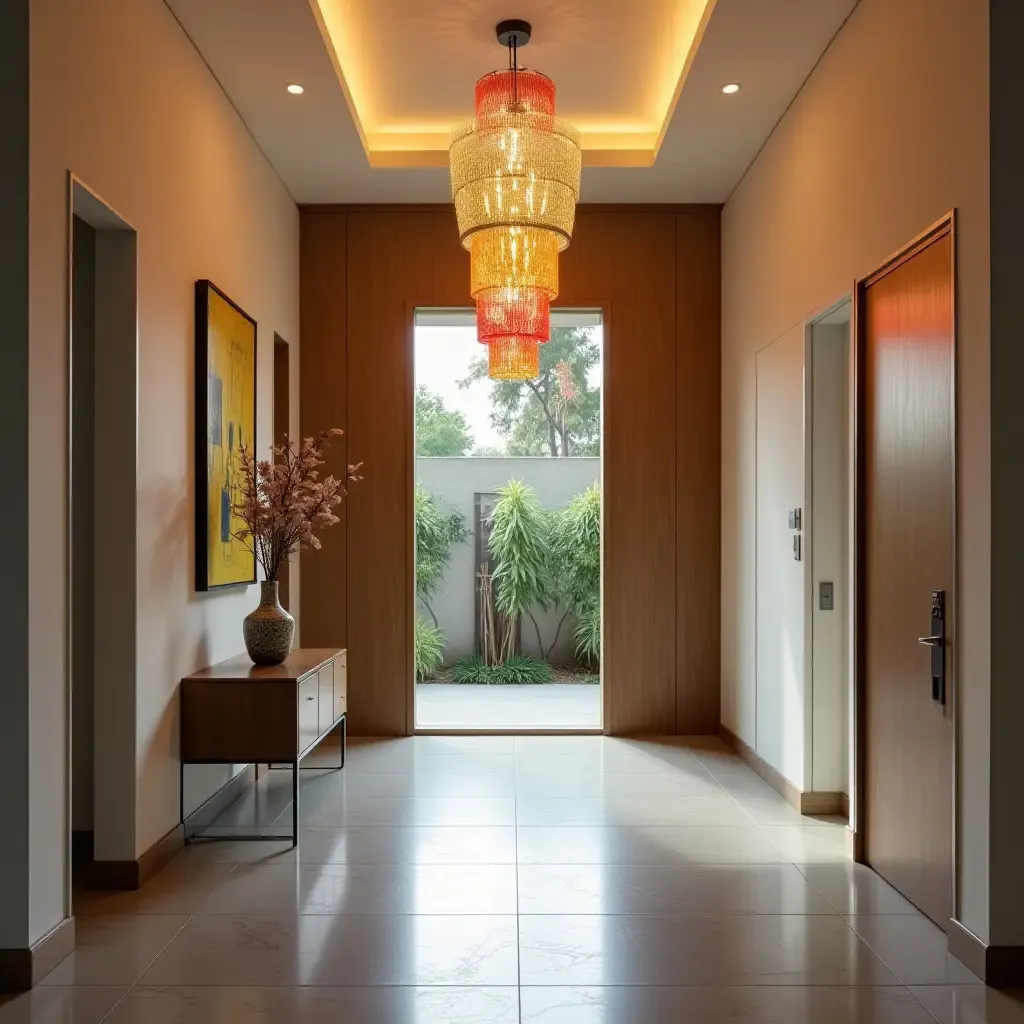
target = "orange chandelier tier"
x: 515, y: 171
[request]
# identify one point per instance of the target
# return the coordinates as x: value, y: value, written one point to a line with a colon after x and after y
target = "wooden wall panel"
x: 660, y: 296
x: 698, y: 471
x: 397, y: 261
x: 625, y: 261
x: 322, y: 405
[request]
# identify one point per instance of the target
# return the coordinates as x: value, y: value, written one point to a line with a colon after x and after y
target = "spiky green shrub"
x: 429, y: 643
x: 588, y: 635
x: 576, y: 547
x: 521, y: 669
x: 517, y: 670
x: 520, y: 545
x: 471, y: 670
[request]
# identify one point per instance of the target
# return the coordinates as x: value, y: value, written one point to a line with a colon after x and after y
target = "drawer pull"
x: 311, y: 698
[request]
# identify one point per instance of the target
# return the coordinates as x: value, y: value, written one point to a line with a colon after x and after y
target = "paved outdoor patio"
x: 548, y: 706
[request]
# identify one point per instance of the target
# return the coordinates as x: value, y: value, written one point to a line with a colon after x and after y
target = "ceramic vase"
x: 269, y: 629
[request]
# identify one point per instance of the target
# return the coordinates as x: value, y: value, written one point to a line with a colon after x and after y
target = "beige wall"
x: 120, y: 97
x: 889, y: 132
x: 14, y: 470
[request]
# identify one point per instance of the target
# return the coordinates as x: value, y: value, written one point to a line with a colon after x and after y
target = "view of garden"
x: 508, y: 513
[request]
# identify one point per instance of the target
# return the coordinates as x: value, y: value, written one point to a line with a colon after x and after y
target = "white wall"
x: 828, y: 555
x: 119, y: 96
x: 889, y: 132
x: 781, y: 696
x: 456, y: 481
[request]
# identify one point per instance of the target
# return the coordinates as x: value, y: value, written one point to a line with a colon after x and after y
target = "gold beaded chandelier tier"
x: 515, y: 171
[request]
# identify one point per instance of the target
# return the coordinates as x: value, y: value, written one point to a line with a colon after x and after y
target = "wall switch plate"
x: 826, y: 597
x: 797, y: 548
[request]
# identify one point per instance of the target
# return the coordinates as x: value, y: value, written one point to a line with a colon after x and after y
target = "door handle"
x: 937, y: 642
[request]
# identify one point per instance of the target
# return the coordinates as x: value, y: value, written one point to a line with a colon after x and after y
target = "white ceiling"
x: 256, y: 47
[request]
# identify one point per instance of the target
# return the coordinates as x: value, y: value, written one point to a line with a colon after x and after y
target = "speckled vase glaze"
x: 269, y: 629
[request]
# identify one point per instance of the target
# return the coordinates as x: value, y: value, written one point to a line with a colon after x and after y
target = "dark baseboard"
x: 809, y: 802
x: 21, y: 969
x: 133, y: 874
x: 998, y: 966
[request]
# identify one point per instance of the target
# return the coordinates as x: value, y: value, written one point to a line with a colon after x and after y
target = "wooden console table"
x: 240, y: 713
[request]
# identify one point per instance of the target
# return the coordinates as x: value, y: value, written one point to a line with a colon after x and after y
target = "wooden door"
x: 906, y: 328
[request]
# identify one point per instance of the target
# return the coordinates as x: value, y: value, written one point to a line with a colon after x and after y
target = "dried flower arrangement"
x: 284, y: 503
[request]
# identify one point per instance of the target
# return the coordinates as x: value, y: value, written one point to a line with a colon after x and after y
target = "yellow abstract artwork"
x: 226, y: 414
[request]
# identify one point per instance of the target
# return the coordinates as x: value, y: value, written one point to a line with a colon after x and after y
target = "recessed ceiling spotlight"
x: 297, y: 90
x: 730, y: 88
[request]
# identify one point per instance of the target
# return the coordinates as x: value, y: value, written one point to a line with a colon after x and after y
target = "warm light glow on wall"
x: 374, y: 58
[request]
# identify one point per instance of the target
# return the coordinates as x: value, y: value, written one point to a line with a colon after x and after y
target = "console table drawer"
x: 340, y: 684
x: 325, y: 688
x: 309, y: 711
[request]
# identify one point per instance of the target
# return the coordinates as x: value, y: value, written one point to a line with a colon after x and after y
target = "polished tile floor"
x: 498, y: 880
x: 547, y: 706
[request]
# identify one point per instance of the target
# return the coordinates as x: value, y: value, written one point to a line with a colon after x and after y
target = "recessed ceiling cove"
x: 384, y: 82
x: 407, y: 69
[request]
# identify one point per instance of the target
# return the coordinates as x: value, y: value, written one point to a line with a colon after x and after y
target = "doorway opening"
x: 102, y: 517
x: 829, y: 465
x: 507, y: 520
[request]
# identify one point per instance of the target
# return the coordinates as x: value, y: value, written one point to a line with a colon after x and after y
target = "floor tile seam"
x: 893, y: 988
x: 163, y: 949
x: 711, y: 772
x: 120, y: 999
x: 732, y: 796
x: 661, y: 915
x: 800, y: 868
x: 892, y: 970
x: 519, y: 942
x: 913, y: 995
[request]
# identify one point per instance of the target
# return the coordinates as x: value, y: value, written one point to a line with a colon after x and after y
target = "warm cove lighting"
x: 515, y: 170
x: 295, y: 89
x: 399, y: 77
x: 731, y: 88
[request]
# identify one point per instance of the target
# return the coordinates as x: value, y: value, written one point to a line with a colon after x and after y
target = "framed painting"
x: 225, y: 420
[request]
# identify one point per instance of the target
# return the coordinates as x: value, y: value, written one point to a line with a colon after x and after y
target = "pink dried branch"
x: 567, y: 391
x: 283, y: 502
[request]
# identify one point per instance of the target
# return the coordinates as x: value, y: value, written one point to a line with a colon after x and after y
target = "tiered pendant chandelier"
x: 515, y: 171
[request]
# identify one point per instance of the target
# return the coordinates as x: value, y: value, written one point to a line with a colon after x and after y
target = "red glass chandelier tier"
x: 527, y: 92
x: 513, y: 312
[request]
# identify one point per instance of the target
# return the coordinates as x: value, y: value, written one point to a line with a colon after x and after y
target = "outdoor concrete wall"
x: 456, y: 481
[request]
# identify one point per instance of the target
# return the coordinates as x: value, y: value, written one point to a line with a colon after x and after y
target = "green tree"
x: 558, y: 413
x: 520, y: 545
x: 440, y: 431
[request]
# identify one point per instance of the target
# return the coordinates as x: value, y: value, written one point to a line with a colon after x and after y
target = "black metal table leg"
x: 344, y: 739
x: 295, y: 803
